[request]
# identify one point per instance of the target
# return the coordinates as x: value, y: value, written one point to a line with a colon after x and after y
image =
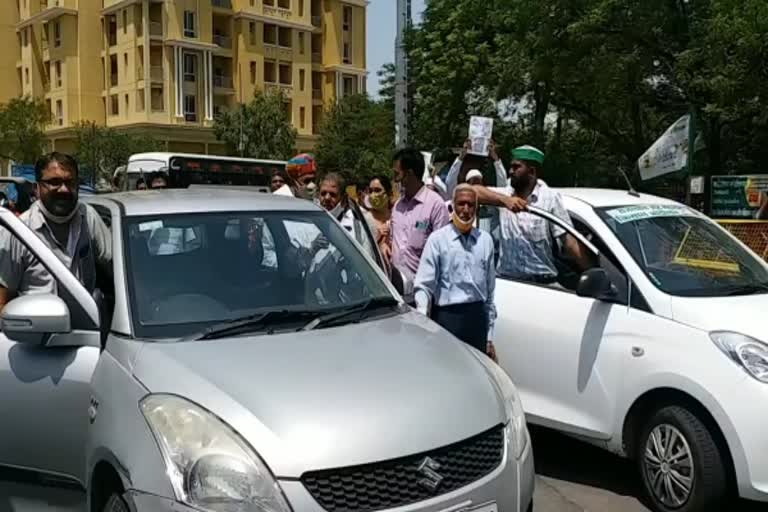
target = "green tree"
x: 356, y: 138
x: 100, y: 150
x: 22, y: 125
x: 387, y: 84
x: 260, y: 129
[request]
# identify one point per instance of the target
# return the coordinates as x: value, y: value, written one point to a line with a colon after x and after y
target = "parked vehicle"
x: 191, y: 169
x: 235, y: 364
x: 658, y: 353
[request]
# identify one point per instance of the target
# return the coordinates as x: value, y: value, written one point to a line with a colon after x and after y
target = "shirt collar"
x: 37, y: 220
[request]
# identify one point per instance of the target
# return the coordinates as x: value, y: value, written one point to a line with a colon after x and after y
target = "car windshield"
x: 684, y: 253
x: 189, y: 272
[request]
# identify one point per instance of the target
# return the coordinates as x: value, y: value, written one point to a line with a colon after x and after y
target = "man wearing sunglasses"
x: 72, y: 230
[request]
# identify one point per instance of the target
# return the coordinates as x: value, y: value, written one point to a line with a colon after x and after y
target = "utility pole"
x: 402, y: 103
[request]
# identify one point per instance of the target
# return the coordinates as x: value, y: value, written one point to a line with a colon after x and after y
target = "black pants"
x: 468, y: 322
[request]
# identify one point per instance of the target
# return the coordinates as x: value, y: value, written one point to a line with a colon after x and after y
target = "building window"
x: 270, y: 73
x: 57, y: 73
x: 114, y: 105
x: 270, y: 3
x: 190, y: 26
x: 113, y: 70
x: 56, y: 33
x: 347, y: 53
x: 157, y: 98
x: 286, y: 77
x: 127, y: 105
x: 302, y: 117
x: 301, y: 43
x: 284, y: 4
x: 190, y: 63
x: 59, y: 113
x: 140, y: 100
x: 125, y: 65
x: 190, y: 108
x: 112, y: 30
x: 24, y: 37
x: 253, y: 72
x: 125, y: 21
x: 349, y: 85
x: 288, y: 108
x: 49, y: 107
x: 270, y: 34
x: 302, y: 77
x: 26, y: 76
x: 301, y: 7
x: 252, y: 32
x: 347, y: 21
x: 284, y: 37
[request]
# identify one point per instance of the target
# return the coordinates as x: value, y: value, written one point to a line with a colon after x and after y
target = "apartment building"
x: 167, y: 67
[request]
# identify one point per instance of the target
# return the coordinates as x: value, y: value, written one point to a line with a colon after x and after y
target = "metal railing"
x: 223, y: 41
x: 222, y: 82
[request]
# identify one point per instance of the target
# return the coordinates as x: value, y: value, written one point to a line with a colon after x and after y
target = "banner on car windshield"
x: 738, y: 197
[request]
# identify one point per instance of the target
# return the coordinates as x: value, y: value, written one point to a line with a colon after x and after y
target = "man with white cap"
x: 456, y: 278
x: 529, y: 243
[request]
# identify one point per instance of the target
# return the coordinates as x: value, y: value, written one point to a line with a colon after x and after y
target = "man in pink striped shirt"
x: 417, y: 214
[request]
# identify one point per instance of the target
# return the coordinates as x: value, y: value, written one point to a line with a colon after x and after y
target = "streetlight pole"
x: 402, y: 106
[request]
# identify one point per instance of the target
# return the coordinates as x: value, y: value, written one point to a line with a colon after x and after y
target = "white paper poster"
x: 669, y: 153
x: 480, y: 134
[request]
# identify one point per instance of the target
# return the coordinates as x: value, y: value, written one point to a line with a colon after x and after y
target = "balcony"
x: 222, y: 41
x: 222, y: 4
x: 156, y: 73
x: 223, y: 82
x: 276, y: 12
x: 317, y: 21
x: 155, y: 29
x: 287, y: 90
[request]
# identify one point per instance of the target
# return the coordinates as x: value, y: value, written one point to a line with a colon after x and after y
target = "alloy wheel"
x: 669, y: 466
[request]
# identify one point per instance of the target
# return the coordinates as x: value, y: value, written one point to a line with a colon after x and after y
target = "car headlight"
x: 210, y: 467
x: 747, y: 352
x: 516, y: 428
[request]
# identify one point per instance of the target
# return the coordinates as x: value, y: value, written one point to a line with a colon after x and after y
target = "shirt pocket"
x: 417, y: 238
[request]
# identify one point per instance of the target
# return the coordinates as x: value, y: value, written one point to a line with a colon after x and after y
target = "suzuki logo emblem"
x: 431, y: 478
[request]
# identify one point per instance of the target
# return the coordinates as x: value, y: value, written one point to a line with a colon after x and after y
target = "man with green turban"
x: 529, y: 243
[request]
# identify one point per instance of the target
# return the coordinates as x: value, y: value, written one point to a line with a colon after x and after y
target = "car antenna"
x: 632, y: 191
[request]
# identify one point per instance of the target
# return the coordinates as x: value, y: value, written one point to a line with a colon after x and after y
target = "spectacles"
x: 57, y: 183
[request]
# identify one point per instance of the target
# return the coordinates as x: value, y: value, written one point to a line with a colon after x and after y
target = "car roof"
x: 197, y: 200
x: 606, y: 198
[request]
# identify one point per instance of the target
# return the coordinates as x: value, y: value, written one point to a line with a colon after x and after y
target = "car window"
x: 684, y: 253
x: 189, y: 271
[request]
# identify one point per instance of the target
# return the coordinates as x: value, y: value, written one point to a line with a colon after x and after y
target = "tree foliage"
x: 260, y: 129
x: 356, y: 137
x: 595, y: 82
x: 100, y: 150
x: 22, y: 125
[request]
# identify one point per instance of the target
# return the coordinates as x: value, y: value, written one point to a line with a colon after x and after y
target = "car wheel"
x: 116, y: 503
x: 681, y: 465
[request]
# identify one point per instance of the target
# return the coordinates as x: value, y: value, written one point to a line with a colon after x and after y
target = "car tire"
x: 116, y: 503
x: 681, y: 465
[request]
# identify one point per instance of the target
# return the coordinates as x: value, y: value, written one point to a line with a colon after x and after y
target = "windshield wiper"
x: 360, y: 308
x: 747, y: 289
x: 250, y: 323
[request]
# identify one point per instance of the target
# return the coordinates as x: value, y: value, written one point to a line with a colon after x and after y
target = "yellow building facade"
x: 167, y: 67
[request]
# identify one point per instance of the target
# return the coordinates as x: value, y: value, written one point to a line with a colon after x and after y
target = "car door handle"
x: 638, y: 352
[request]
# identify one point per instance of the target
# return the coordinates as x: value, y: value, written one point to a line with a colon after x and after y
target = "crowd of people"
x: 433, y: 237
x: 429, y: 235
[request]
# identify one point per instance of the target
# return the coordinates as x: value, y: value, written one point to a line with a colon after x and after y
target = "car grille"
x: 399, y: 482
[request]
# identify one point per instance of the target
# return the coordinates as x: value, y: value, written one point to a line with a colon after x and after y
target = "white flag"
x: 669, y: 153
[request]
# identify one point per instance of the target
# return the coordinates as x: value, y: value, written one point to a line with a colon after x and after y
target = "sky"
x: 382, y: 28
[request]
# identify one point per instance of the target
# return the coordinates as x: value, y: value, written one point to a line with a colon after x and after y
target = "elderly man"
x: 457, y: 278
x: 334, y: 199
x: 529, y: 243
x: 71, y: 229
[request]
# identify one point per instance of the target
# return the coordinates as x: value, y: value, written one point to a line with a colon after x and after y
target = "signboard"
x: 480, y: 133
x: 697, y: 185
x: 737, y: 196
x: 669, y: 153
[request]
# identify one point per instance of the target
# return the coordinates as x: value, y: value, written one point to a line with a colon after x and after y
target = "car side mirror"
x: 33, y: 318
x: 595, y: 284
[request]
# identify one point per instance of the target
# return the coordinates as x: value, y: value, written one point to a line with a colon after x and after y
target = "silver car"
x: 248, y: 356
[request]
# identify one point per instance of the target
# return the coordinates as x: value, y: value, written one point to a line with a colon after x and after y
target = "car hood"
x: 743, y: 314
x: 333, y: 397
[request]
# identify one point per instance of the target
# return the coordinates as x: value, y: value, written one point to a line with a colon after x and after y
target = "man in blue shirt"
x: 457, y: 276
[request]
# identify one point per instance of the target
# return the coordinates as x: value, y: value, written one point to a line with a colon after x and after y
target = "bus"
x: 185, y: 169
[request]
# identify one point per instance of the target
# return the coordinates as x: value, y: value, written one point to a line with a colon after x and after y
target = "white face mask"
x: 57, y: 219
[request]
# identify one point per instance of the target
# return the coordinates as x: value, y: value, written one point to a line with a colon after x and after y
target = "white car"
x: 658, y: 353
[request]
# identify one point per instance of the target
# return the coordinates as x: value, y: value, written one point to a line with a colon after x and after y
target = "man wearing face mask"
x: 334, y: 199
x: 529, y: 243
x: 72, y: 230
x: 302, y: 174
x: 457, y: 277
